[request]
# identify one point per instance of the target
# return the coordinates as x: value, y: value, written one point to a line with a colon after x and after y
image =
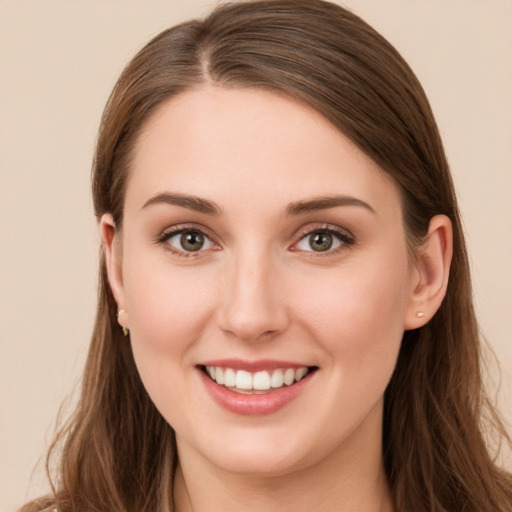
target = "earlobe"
x: 431, y: 273
x: 111, y: 248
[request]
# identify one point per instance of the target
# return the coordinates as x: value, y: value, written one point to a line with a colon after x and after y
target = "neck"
x: 297, y: 494
x: 350, y: 479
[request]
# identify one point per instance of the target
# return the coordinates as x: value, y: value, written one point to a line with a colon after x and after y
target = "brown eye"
x: 190, y: 241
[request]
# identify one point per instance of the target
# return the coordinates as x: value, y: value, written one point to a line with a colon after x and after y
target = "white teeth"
x: 289, y: 376
x: 300, y: 373
x: 261, y: 380
x: 243, y: 380
x: 229, y: 378
x: 277, y: 379
x: 258, y: 381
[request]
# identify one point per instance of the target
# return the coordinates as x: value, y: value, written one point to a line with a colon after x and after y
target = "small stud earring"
x: 125, y: 330
x: 420, y: 314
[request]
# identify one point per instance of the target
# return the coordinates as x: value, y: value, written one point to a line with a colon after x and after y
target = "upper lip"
x: 253, y: 366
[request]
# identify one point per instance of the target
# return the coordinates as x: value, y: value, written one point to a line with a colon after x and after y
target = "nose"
x: 253, y: 305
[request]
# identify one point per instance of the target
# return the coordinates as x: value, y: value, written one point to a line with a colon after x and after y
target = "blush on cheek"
x: 359, y: 322
x: 167, y: 308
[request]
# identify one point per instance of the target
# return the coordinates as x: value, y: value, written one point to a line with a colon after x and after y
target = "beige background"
x: 58, y: 62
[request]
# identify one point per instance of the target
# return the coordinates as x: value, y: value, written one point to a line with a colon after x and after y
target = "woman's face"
x: 262, y: 246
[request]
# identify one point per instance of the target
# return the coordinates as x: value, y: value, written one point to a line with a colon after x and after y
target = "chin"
x: 262, y: 453
x: 259, y: 463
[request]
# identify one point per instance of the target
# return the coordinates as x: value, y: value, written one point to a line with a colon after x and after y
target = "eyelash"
x: 346, y: 240
x: 166, y: 235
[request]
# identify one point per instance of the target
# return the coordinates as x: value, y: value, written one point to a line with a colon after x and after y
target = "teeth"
x: 229, y: 378
x: 261, y: 381
x: 243, y: 380
x: 258, y: 381
x: 300, y: 373
x: 277, y: 379
x: 289, y: 376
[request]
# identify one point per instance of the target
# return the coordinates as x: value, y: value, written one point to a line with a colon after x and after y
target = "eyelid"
x: 346, y: 238
x: 172, y: 231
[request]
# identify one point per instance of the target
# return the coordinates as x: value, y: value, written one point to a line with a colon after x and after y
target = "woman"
x: 285, y: 317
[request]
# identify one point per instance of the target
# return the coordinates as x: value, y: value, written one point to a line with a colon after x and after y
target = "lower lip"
x: 257, y: 404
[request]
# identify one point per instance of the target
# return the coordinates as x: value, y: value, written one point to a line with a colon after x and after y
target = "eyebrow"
x: 324, y: 203
x: 185, y: 201
x: 209, y: 207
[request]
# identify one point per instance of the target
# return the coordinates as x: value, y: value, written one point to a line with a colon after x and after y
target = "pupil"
x: 321, y: 242
x: 192, y: 241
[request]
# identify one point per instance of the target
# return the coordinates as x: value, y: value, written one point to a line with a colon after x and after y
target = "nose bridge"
x: 253, y: 305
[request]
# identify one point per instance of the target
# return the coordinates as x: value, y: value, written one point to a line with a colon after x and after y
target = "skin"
x: 259, y: 291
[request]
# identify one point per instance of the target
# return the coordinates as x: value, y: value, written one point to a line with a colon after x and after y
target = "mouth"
x: 259, y: 382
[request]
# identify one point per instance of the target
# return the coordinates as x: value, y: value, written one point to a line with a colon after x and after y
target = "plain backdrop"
x: 58, y: 63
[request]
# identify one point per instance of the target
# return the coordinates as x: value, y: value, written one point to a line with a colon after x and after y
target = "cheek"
x: 168, y: 310
x: 359, y: 311
x: 164, y: 301
x: 357, y: 319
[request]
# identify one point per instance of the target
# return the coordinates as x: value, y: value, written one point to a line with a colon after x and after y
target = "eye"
x: 323, y: 240
x: 189, y: 240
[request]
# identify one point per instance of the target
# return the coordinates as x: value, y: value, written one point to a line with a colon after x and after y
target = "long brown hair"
x: 117, y: 452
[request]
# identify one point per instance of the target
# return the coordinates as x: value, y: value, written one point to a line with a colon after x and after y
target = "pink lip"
x: 253, y: 366
x: 253, y: 405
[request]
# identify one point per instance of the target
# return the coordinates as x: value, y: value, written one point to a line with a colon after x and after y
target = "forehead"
x: 218, y: 142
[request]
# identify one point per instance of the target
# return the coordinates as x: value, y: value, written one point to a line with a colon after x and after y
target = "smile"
x: 256, y: 388
x: 243, y: 381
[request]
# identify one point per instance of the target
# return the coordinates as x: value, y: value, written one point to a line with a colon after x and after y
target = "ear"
x: 431, y: 269
x: 112, y: 248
